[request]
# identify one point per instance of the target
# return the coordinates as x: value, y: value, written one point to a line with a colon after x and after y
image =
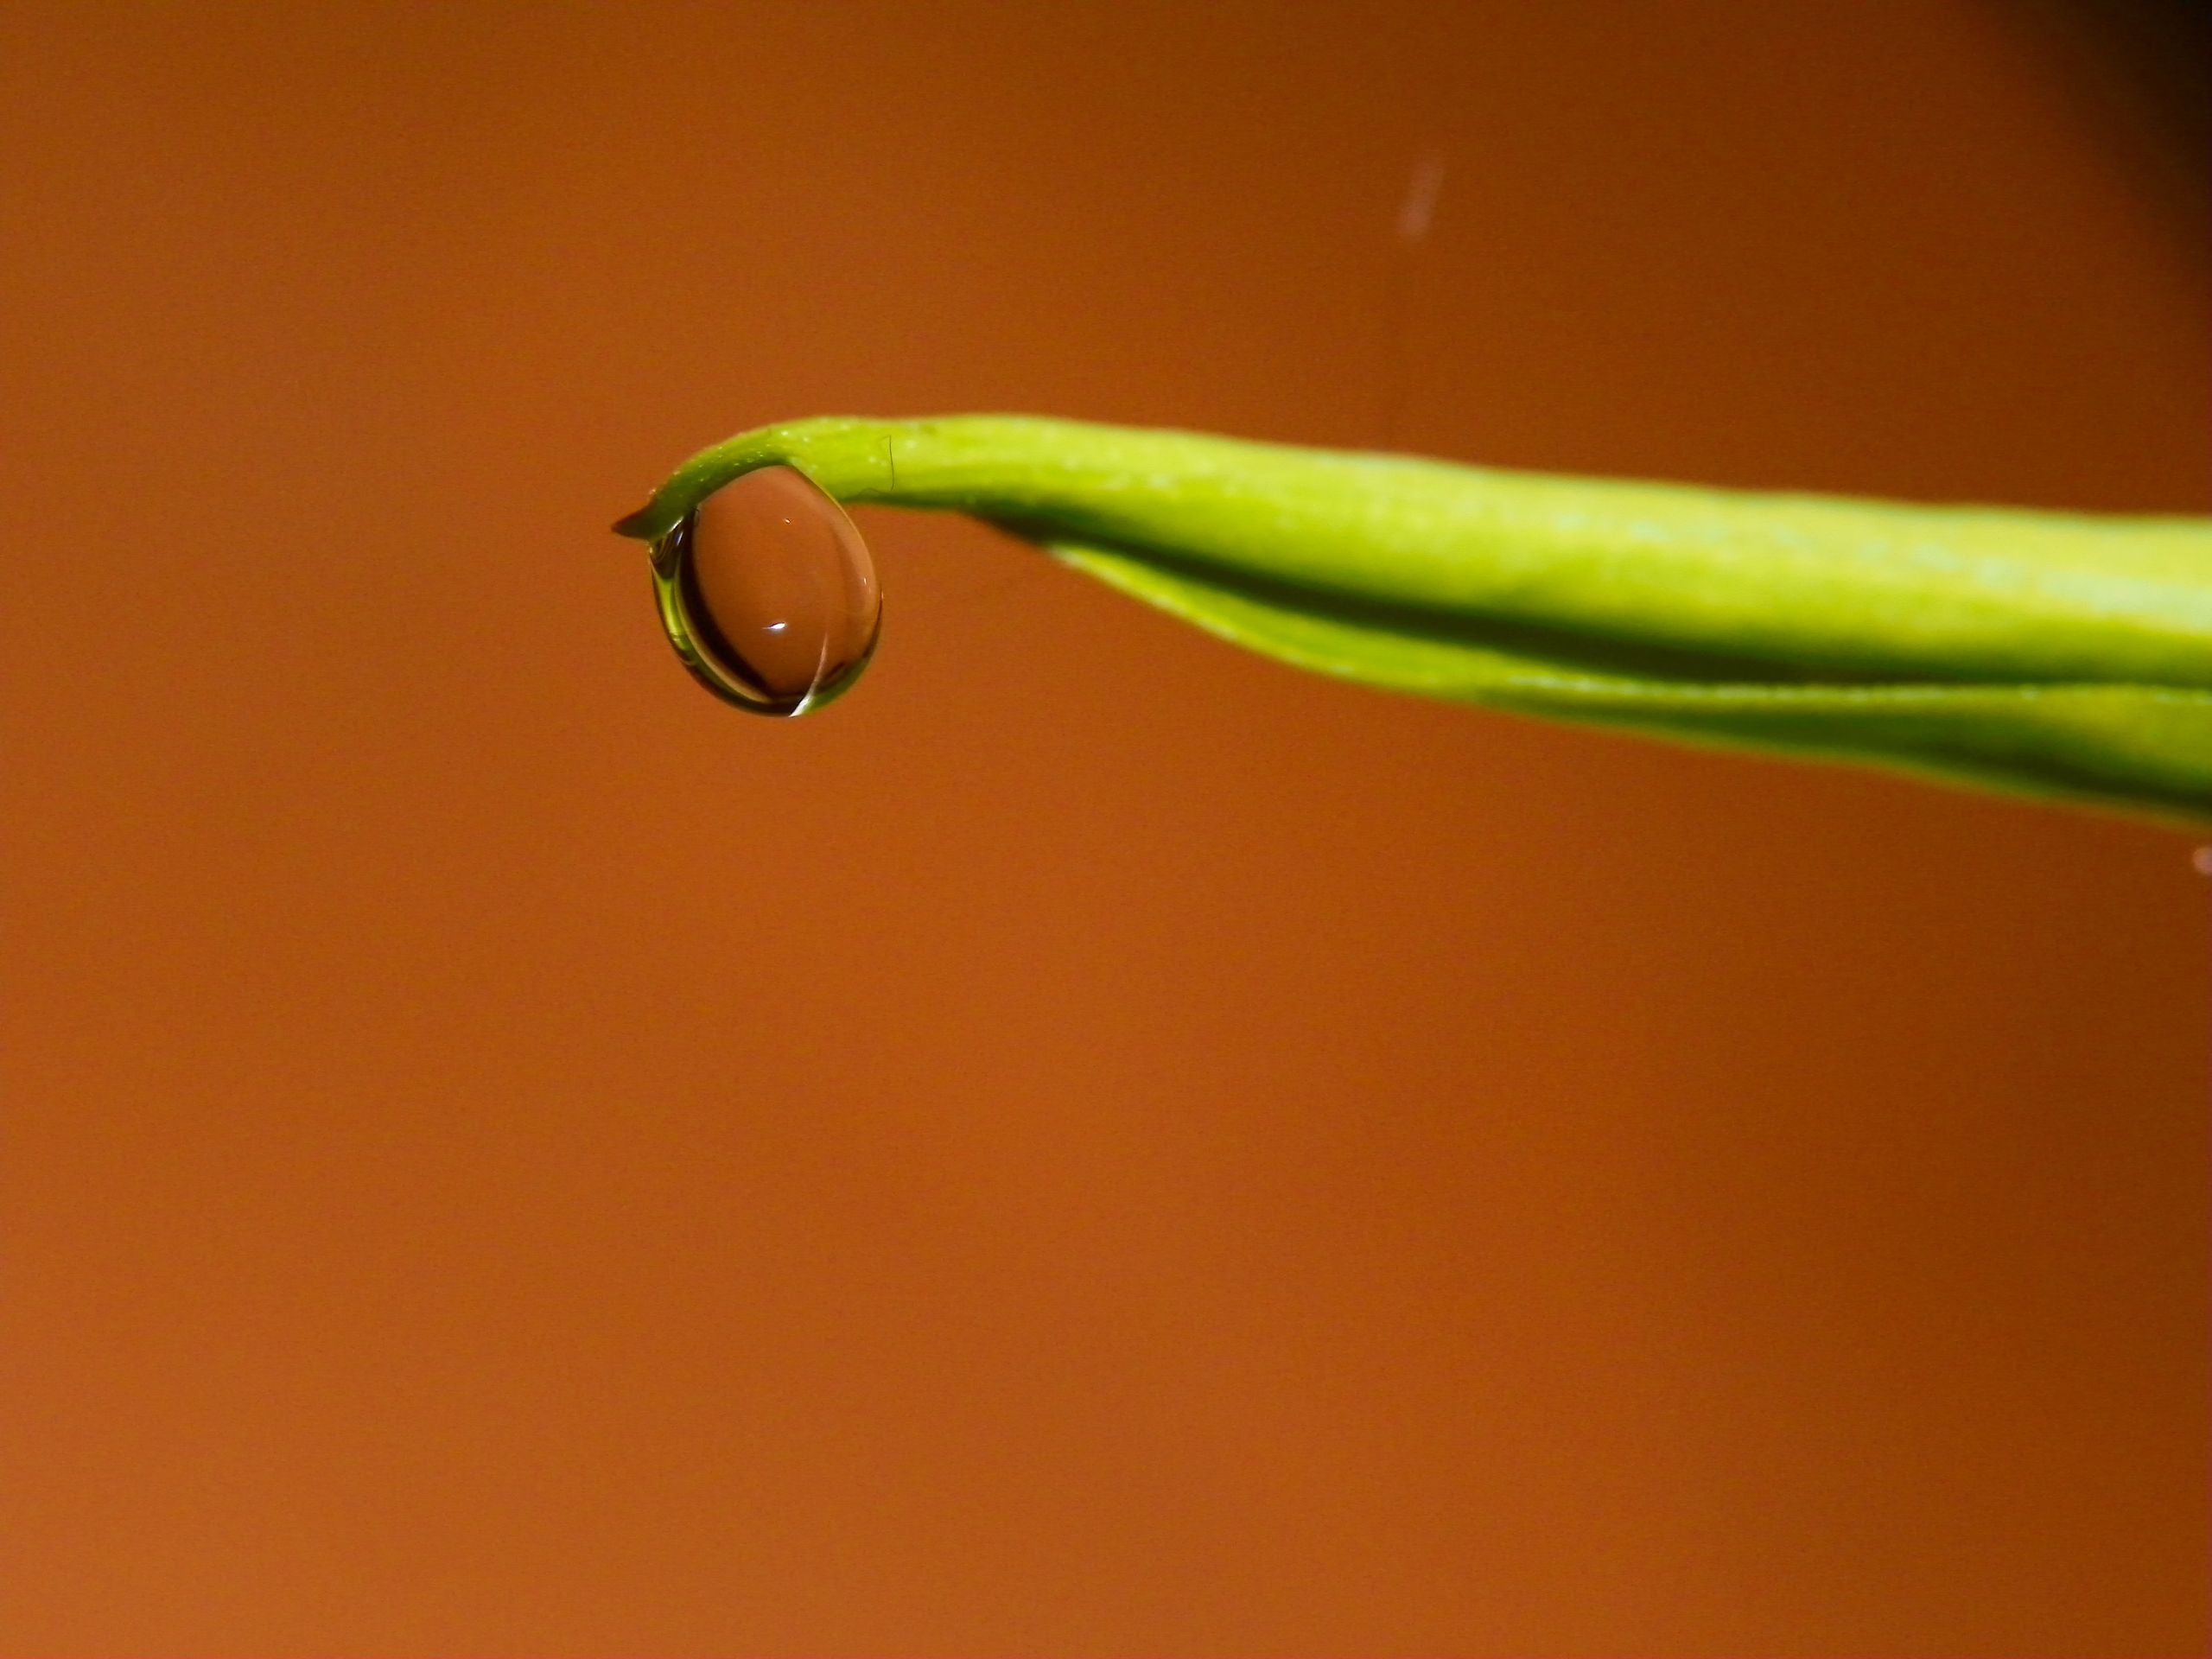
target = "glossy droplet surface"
x: 768, y: 593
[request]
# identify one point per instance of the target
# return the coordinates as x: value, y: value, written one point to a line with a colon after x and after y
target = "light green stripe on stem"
x: 2060, y: 654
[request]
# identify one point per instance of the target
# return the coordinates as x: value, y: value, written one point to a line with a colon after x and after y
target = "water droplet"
x: 768, y: 593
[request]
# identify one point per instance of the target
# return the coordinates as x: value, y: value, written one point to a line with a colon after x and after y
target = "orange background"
x: 1097, y: 1143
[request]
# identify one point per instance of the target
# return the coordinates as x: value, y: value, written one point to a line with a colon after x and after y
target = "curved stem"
x: 2057, y: 654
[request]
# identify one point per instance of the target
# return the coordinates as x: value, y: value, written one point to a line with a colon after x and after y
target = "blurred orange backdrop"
x: 1097, y: 1143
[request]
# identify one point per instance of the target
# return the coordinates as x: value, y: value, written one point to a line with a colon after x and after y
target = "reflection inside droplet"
x: 768, y: 594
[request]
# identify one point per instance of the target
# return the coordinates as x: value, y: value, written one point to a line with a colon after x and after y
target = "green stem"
x: 2062, y: 655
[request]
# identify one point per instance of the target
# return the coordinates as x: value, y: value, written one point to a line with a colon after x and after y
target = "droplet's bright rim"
x: 665, y: 558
